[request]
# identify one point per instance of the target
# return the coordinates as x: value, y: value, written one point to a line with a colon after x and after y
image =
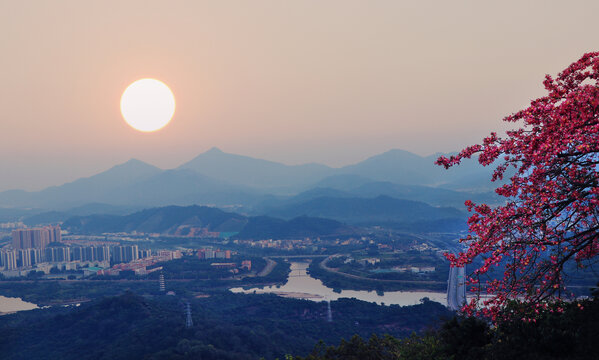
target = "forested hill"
x: 302, y: 226
x: 226, y: 326
x: 174, y: 219
x: 159, y: 220
x: 368, y: 210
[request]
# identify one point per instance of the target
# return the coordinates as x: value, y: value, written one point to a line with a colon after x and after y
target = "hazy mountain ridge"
x: 397, y: 166
x: 218, y: 178
x: 367, y: 210
x: 260, y: 227
x: 352, y: 185
x: 167, y: 220
x: 159, y: 220
x: 161, y: 187
x: 84, y: 190
x: 248, y: 171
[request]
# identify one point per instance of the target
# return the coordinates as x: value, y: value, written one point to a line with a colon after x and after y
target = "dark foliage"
x: 226, y: 326
x: 563, y: 331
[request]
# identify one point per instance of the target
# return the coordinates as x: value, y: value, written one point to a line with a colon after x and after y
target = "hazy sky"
x: 290, y: 81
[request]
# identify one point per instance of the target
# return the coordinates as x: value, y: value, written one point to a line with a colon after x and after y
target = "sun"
x: 147, y: 105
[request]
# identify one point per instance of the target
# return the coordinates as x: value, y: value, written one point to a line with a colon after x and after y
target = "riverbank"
x: 338, y: 280
x: 10, y: 305
x: 302, y: 285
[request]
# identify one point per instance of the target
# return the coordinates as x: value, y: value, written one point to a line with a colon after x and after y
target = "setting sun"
x: 147, y: 105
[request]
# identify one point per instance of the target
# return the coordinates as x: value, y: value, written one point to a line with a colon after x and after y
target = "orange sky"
x: 302, y: 81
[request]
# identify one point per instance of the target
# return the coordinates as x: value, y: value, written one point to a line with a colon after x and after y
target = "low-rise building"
x: 224, y: 265
x: 371, y: 261
x: 246, y: 264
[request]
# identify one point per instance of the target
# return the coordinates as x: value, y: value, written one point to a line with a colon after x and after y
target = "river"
x: 9, y: 305
x: 299, y: 285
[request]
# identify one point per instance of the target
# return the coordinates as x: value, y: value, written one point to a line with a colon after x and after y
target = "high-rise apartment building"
x: 8, y: 259
x: 37, y: 256
x: 145, y: 253
x: 57, y: 254
x: 24, y: 258
x: 90, y: 253
x: 37, y: 238
x: 124, y: 253
x: 103, y: 253
x: 55, y: 233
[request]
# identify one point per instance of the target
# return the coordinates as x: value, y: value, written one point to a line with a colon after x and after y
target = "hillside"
x: 367, y: 210
x: 168, y: 220
x: 225, y: 326
x: 261, y: 227
x: 247, y: 171
x: 164, y: 220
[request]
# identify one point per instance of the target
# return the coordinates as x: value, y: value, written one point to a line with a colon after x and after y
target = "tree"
x: 550, y: 217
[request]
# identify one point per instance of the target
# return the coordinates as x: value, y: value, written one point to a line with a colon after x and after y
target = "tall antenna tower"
x: 161, y: 282
x: 188, y: 319
x: 329, y: 312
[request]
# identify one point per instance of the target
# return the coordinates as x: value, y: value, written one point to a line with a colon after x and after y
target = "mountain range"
x: 173, y: 220
x: 396, y: 186
x: 395, y: 166
x: 219, y: 178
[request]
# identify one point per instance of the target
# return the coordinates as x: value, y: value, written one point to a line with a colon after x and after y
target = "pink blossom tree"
x: 551, y: 212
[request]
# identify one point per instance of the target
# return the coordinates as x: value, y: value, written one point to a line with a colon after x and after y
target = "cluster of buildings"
x: 37, y: 238
x: 11, y: 225
x: 372, y: 261
x: 41, y: 249
x: 213, y: 254
x: 210, y: 253
x: 168, y: 255
x: 138, y: 266
x: 16, y: 259
x: 233, y: 268
x: 30, y: 247
x: 313, y: 244
x: 90, y: 253
x: 282, y: 244
x: 414, y: 269
x: 424, y: 247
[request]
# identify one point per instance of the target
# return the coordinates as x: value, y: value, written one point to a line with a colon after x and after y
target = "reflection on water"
x: 302, y: 286
x: 8, y: 304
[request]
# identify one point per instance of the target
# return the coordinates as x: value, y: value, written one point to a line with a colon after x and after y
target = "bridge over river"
x: 456, y: 288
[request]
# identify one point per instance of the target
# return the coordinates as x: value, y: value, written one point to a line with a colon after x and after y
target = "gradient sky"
x: 291, y: 81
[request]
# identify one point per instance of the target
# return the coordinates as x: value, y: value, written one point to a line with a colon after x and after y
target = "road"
x: 456, y: 288
x: 297, y: 256
x: 270, y: 264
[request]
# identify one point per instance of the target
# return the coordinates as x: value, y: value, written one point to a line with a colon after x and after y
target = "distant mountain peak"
x: 214, y: 150
x: 134, y: 162
x: 398, y: 152
x: 134, y: 165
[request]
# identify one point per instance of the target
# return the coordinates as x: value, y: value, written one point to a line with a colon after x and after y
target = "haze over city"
x: 293, y: 82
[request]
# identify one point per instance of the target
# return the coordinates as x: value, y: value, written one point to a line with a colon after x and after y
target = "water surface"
x: 302, y: 286
x: 9, y: 304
